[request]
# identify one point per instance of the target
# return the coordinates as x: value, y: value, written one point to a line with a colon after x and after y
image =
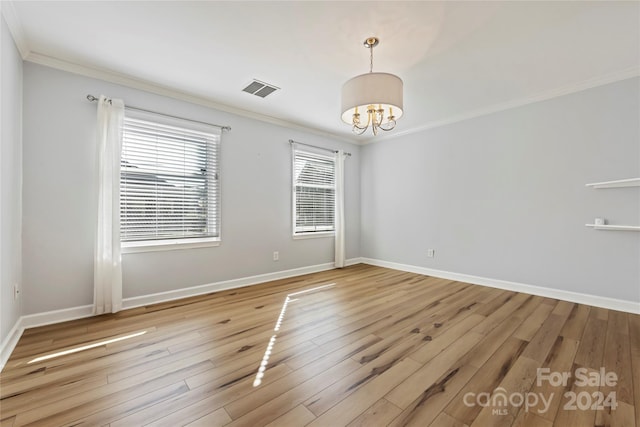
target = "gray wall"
x: 503, y: 196
x: 10, y: 180
x: 59, y: 200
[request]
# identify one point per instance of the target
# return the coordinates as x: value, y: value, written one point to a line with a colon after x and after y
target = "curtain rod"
x: 92, y: 98
x: 291, y: 141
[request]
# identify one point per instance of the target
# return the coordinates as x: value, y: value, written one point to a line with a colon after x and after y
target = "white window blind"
x: 314, y: 191
x: 169, y: 185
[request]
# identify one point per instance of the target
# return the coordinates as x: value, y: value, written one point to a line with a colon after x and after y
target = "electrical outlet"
x: 16, y: 291
x: 276, y: 255
x: 431, y: 253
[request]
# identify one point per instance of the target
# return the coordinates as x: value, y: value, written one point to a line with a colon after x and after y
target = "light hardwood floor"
x: 361, y: 346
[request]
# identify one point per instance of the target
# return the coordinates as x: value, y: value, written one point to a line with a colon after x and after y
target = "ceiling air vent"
x: 261, y: 89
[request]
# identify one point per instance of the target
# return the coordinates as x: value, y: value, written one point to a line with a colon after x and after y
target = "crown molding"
x: 624, y: 74
x: 148, y: 86
x: 15, y: 27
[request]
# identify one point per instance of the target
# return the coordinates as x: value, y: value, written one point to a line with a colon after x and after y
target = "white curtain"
x: 340, y: 253
x: 107, y: 276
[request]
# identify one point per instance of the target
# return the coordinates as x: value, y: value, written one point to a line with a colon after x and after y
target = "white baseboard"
x: 353, y: 261
x: 39, y: 319
x: 10, y: 341
x: 66, y: 314
x: 56, y: 316
x: 594, y: 300
x: 225, y: 285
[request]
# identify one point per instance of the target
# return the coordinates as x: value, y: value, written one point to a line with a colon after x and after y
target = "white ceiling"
x: 457, y: 59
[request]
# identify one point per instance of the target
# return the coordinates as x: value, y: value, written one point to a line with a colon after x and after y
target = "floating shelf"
x: 615, y: 227
x: 632, y: 182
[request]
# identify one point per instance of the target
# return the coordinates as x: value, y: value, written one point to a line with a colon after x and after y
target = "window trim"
x: 313, y: 235
x: 307, y: 234
x: 168, y: 244
x: 154, y: 245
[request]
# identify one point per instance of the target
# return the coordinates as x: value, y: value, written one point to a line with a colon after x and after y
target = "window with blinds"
x: 314, y: 191
x: 169, y: 185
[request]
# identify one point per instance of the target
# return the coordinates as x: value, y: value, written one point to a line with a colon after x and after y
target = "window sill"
x: 314, y: 235
x: 167, y: 245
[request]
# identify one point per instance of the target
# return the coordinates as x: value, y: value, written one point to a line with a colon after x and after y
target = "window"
x: 169, y: 187
x: 314, y: 191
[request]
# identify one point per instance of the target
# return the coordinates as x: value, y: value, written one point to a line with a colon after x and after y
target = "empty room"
x: 320, y: 213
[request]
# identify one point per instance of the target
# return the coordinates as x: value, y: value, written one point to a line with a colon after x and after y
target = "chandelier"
x: 373, y: 99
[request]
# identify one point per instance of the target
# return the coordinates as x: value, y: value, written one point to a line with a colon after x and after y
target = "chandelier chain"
x: 371, y: 58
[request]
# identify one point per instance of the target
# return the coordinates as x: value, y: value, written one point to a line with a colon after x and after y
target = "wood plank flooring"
x: 360, y: 346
